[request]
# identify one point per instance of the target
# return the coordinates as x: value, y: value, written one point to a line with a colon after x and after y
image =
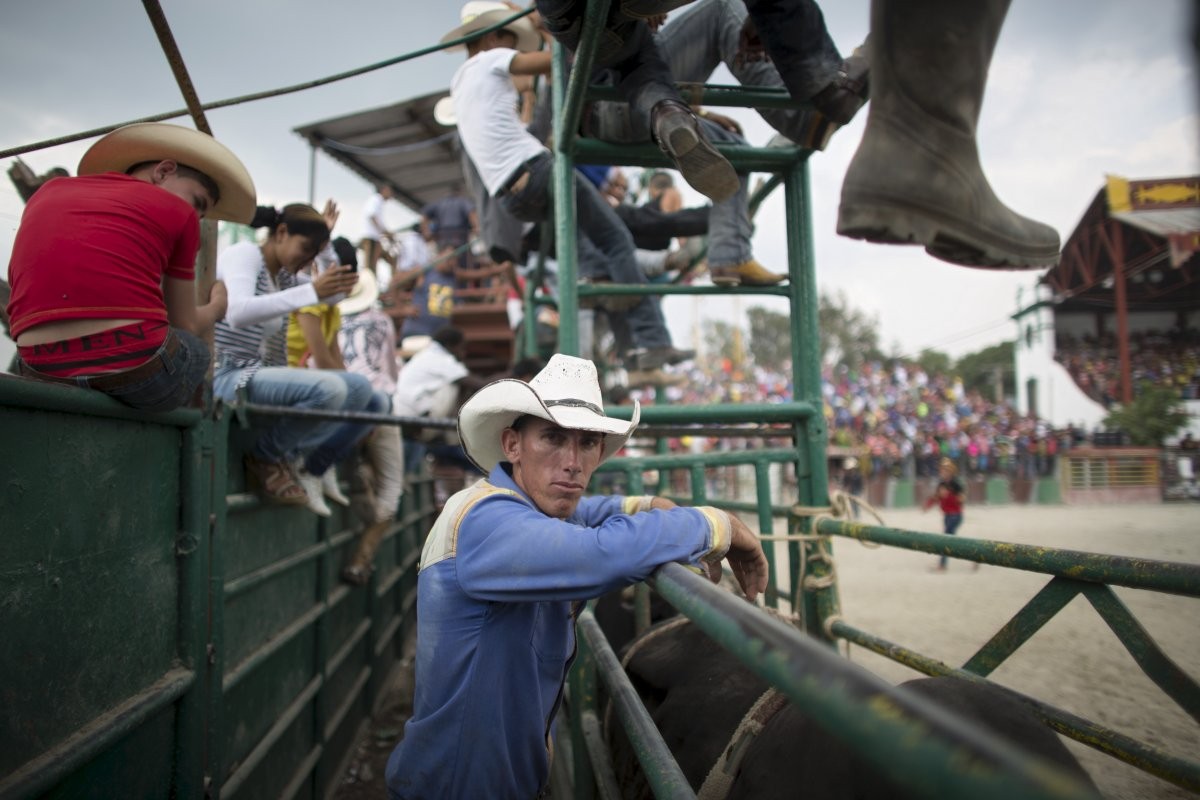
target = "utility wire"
x: 247, y: 98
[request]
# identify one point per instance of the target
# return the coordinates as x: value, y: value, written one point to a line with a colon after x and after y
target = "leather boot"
x: 678, y: 134
x: 916, y: 177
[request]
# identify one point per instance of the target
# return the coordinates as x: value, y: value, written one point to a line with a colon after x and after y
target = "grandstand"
x: 1121, y: 309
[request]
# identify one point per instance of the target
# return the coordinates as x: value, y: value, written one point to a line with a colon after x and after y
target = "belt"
x: 519, y: 178
x: 111, y: 381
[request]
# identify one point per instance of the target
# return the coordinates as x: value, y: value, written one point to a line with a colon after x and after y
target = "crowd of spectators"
x: 1170, y: 359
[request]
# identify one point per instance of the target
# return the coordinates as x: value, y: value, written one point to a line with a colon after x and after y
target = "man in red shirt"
x: 102, y: 269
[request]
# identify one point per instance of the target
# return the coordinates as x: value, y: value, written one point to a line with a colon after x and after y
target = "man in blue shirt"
x: 507, y: 563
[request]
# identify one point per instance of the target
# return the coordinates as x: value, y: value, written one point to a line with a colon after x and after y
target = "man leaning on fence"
x: 505, y: 569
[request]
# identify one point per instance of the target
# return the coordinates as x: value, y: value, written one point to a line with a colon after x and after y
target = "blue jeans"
x: 626, y: 45
x: 603, y: 240
x: 799, y: 45
x: 173, y: 384
x: 951, y: 522
x: 321, y: 443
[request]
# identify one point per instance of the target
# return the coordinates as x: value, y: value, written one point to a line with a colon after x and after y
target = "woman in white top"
x: 264, y: 286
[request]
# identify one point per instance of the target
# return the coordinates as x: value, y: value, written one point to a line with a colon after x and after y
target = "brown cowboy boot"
x: 916, y: 177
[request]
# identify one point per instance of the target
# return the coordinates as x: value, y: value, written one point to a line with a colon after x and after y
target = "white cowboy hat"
x: 443, y: 112
x: 362, y: 296
x: 134, y: 144
x: 566, y: 392
x: 479, y: 14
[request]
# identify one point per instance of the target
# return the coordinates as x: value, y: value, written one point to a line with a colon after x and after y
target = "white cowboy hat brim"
x: 362, y: 296
x: 443, y: 112
x: 497, y: 405
x: 527, y: 38
x: 134, y: 144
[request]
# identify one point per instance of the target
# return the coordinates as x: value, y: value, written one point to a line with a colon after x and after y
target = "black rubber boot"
x: 916, y: 177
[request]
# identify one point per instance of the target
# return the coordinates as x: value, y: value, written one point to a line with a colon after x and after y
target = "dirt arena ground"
x: 1075, y: 662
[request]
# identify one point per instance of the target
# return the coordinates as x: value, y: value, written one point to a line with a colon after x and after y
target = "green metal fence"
x: 168, y: 634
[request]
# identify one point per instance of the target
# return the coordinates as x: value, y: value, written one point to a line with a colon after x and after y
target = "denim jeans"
x: 173, y: 385
x: 626, y: 45
x: 951, y: 523
x: 799, y: 45
x: 603, y: 242
x: 321, y: 443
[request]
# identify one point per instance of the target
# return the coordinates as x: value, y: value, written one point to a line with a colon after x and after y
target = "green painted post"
x: 903, y: 495
x: 766, y: 525
x: 811, y: 436
x: 996, y: 492
x: 564, y: 212
x: 1048, y: 492
x: 582, y: 681
x: 215, y: 738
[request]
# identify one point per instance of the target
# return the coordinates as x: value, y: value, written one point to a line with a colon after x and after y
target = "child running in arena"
x: 950, y: 497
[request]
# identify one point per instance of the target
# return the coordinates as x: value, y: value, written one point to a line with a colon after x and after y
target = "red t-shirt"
x: 97, y: 247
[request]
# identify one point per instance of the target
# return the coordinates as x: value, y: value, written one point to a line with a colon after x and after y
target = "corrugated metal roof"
x: 1162, y: 222
x: 401, y: 145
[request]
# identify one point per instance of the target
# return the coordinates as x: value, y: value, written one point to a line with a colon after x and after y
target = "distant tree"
x: 979, y: 370
x: 722, y: 340
x: 770, y: 337
x: 848, y: 335
x: 1155, y: 414
x: 935, y: 362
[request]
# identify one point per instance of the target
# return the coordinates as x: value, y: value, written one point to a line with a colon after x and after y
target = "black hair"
x: 521, y: 421
x: 183, y: 171
x: 448, y: 337
x: 618, y: 394
x: 299, y: 218
x: 527, y: 367
x: 347, y: 254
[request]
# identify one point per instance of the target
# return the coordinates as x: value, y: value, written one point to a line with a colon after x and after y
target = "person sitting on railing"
x: 516, y: 168
x: 102, y: 268
x: 506, y: 568
x: 265, y: 285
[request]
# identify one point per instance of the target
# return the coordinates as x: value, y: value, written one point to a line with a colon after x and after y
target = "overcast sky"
x: 1078, y: 90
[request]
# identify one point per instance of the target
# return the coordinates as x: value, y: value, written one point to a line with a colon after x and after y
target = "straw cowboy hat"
x: 566, y: 392
x: 479, y: 14
x: 362, y: 296
x: 134, y: 144
x: 443, y: 112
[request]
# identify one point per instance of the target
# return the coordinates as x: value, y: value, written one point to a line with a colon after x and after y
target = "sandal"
x: 276, y: 481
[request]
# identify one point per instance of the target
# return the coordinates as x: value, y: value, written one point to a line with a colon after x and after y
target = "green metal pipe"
x: 631, y: 289
x: 26, y: 393
x: 215, y: 740
x: 581, y: 699
x: 250, y: 580
x: 191, y: 552
x: 917, y: 744
x: 593, y: 739
x: 1172, y: 577
x: 259, y: 754
x: 1041, y: 608
x: 717, y: 412
x: 663, y: 774
x: 43, y: 773
x: 563, y: 183
x: 744, y: 506
x: 566, y: 117
x: 712, y: 94
x: 1178, y: 771
x: 681, y: 460
x: 743, y: 157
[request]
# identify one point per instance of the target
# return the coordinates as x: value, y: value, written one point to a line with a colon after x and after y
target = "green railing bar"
x: 682, y: 460
x: 1158, y: 666
x: 42, y: 773
x: 256, y: 756
x: 717, y: 413
x: 302, y: 773
x: 353, y: 696
x: 715, y: 94
x: 1052, y: 598
x: 663, y: 774
x: 1147, y: 758
x: 743, y: 157
x: 762, y: 193
x: 26, y: 393
x: 564, y: 208
x: 271, y: 646
x: 630, y: 289
x: 1137, y: 573
x: 580, y: 696
x: 593, y: 739
x: 919, y: 745
x: 245, y: 583
x: 744, y: 506
x: 216, y: 740
x: 566, y: 117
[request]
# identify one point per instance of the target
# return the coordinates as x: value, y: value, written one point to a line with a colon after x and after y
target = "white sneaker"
x: 312, y: 489
x: 329, y: 486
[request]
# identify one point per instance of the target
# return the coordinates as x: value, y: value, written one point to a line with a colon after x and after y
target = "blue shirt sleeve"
x: 508, y: 551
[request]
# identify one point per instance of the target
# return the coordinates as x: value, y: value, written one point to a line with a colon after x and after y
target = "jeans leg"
x: 599, y: 223
x: 729, y: 226
x: 795, y: 36
x: 951, y: 523
x: 297, y: 388
x: 705, y: 34
x: 338, y: 443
